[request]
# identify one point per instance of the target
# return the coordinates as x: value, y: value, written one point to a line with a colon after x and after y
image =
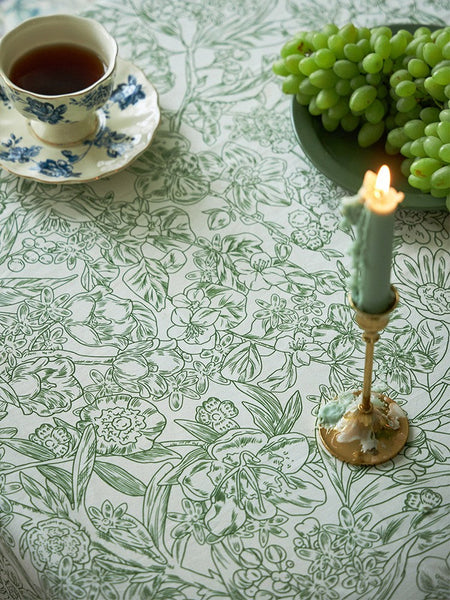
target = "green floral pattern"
x: 167, y: 335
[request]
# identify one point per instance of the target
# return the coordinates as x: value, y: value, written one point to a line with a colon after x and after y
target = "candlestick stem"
x: 370, y: 339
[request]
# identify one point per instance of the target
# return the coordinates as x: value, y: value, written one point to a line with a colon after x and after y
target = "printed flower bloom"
x: 398, y: 359
x: 190, y: 522
x: 193, y: 321
x: 352, y: 532
x: 217, y: 414
x: 424, y: 501
x: 45, y: 386
x: 324, y: 556
x: 184, y: 177
x: 299, y: 347
x: 97, y: 319
x: 415, y: 226
x: 142, y: 368
x: 363, y: 574
x: 433, y: 577
x: 108, y: 518
x: 55, y: 439
x: 339, y: 333
x: 53, y: 539
x: 123, y: 424
x: 259, y: 274
x: 255, y: 180
x: 426, y: 281
x: 248, y: 475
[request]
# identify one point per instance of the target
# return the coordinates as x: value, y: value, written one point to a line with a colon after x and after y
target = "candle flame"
x: 383, y: 180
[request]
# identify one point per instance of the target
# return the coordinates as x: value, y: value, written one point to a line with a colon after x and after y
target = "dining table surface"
x: 173, y: 316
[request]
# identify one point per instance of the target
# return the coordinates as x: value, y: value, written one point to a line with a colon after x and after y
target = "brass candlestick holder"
x: 371, y: 427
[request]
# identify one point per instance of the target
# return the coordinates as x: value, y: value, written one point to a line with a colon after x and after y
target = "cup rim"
x: 109, y: 71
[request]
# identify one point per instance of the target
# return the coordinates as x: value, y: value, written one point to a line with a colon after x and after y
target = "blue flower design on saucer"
x: 129, y: 93
x: 57, y: 168
x: 18, y: 154
x: 45, y: 111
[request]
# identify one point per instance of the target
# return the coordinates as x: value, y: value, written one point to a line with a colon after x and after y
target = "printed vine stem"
x: 190, y: 70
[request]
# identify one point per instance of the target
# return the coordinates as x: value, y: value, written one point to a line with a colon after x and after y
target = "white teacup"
x: 63, y: 118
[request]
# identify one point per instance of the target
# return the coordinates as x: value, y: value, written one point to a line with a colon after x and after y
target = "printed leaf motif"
x: 29, y: 448
x: 60, y: 477
x: 149, y: 280
x: 243, y: 363
x: 290, y: 415
x: 119, y: 478
x: 200, y: 431
x: 15, y: 289
x: 8, y: 233
x: 157, y: 453
x: 83, y: 464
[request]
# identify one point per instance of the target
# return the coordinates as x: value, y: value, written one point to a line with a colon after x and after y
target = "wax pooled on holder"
x: 344, y: 417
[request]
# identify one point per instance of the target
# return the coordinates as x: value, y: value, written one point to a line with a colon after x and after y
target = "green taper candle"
x: 372, y: 212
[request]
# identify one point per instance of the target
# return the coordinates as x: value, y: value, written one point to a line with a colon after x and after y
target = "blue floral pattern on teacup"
x: 94, y: 99
x: 45, y: 111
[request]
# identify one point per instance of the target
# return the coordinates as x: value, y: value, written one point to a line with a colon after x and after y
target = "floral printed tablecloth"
x: 168, y: 333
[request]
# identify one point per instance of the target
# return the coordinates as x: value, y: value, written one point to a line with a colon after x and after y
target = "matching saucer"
x: 127, y: 124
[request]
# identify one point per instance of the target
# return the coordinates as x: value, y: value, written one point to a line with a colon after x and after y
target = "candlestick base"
x: 366, y: 438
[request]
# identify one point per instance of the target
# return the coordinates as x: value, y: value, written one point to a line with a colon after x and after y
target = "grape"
x: 370, y: 133
x: 417, y: 148
x: 279, y: 68
x: 327, y: 98
x: 291, y: 63
x: 353, y: 52
x: 425, y: 167
x: 418, y: 68
x: 440, y: 179
x: 307, y: 65
x: 324, y: 58
x: 442, y: 75
x: 432, y: 54
x: 350, y: 122
x: 323, y: 78
x: 432, y: 146
x: 414, y: 129
x: 362, y: 97
x: 291, y: 84
x: 339, y: 110
x: 443, y: 131
x: 444, y: 154
x: 419, y: 182
x: 405, y: 88
x: 397, y: 43
x: 372, y: 63
x: 430, y: 114
x: 375, y: 112
x: 382, y: 46
x: 329, y: 123
x: 345, y: 69
x: 336, y: 44
x: 319, y: 40
x: 343, y: 87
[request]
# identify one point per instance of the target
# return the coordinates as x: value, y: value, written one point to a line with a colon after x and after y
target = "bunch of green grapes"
x: 372, y: 81
x: 425, y: 144
x: 420, y: 91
